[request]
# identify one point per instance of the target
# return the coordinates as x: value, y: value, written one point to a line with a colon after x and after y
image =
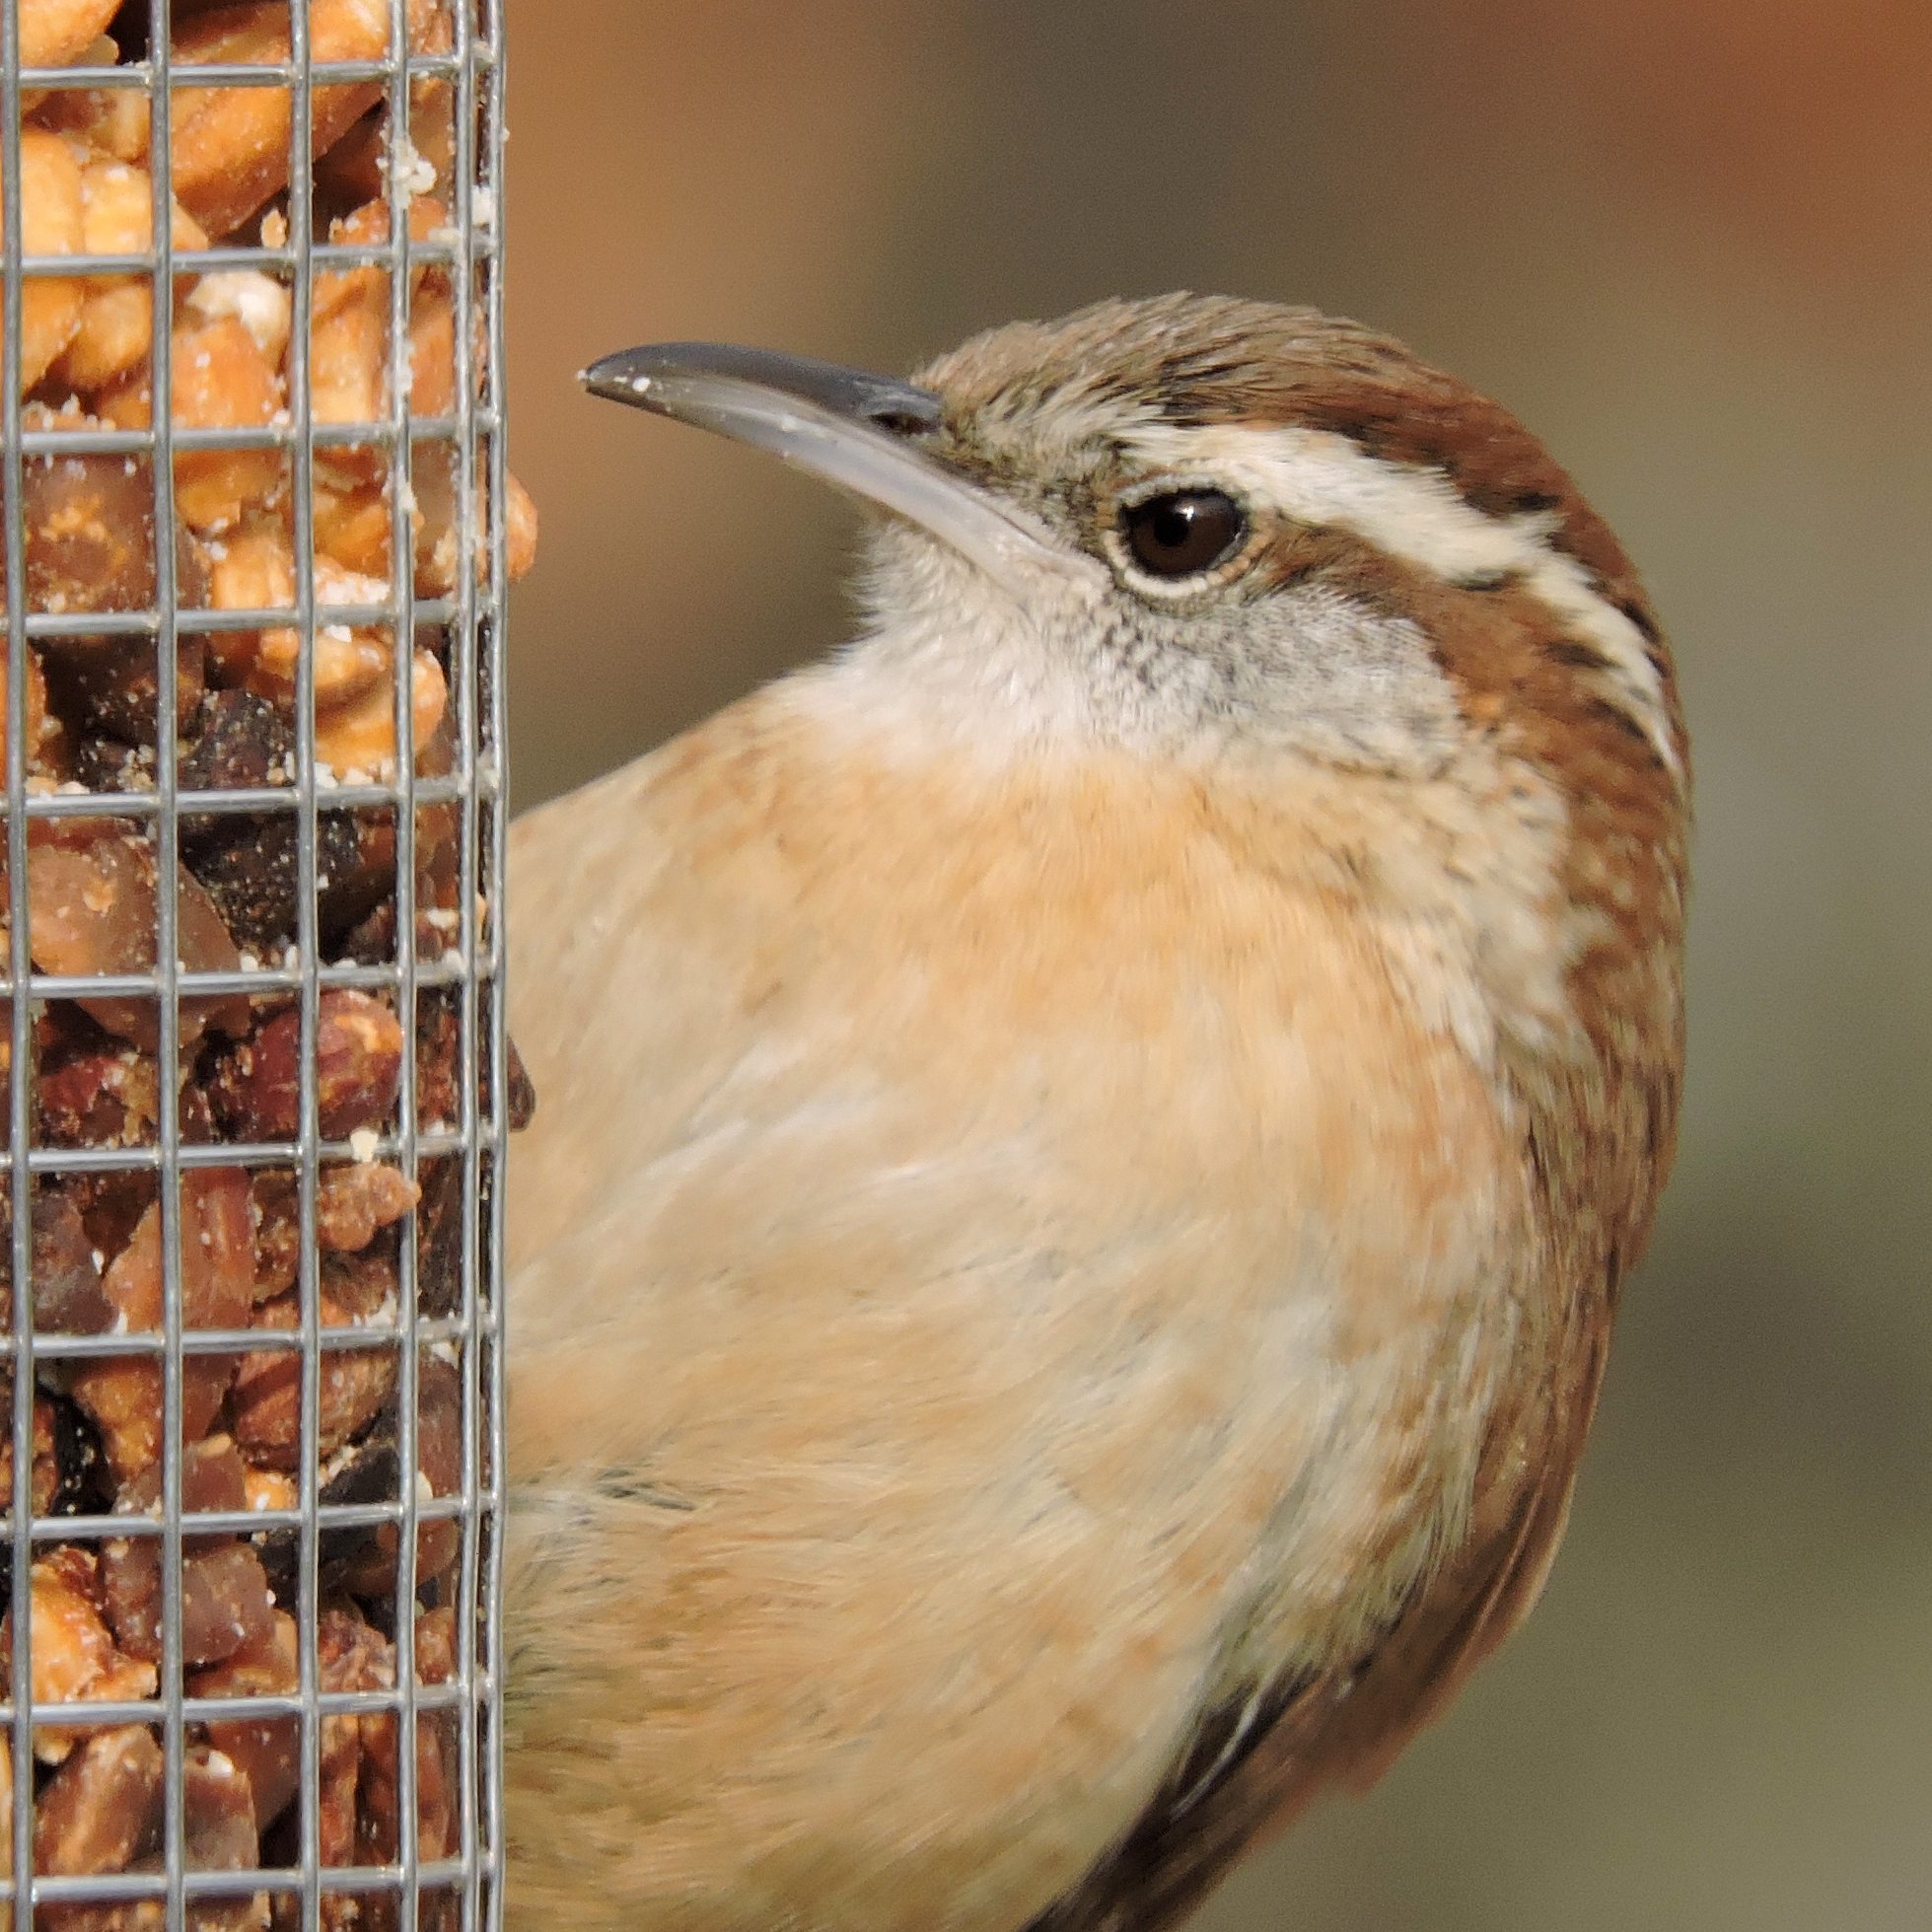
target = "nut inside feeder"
x: 257, y: 535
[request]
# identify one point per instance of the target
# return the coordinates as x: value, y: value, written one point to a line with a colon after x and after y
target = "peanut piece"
x: 348, y: 356
x: 56, y: 32
x: 271, y: 1489
x: 437, y: 544
x: 98, y: 1806
x: 349, y: 661
x: 360, y: 737
x: 255, y: 569
x: 105, y: 1097
x: 91, y: 896
x: 278, y: 1235
x: 52, y: 224
x: 358, y: 1064
x: 260, y: 303
x: 39, y: 727
x: 47, y: 1465
x: 110, y: 121
x: 122, y: 1394
x: 352, y: 1202
x: 217, y: 1236
x: 116, y: 322
x: 250, y: 568
x: 217, y: 1814
x: 433, y: 349
x: 231, y: 145
x: 433, y: 109
x: 90, y: 524
x: 221, y: 380
x: 352, y: 515
x: 265, y: 1750
x: 267, y: 1401
x: 74, y: 1658
x: 226, y: 1604
x: 519, y: 525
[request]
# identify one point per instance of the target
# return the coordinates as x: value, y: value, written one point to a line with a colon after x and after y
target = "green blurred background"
x: 1692, y: 245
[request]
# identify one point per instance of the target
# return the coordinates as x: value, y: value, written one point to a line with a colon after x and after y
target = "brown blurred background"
x: 1690, y: 243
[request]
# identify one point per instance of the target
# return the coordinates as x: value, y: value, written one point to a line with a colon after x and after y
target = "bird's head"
x: 1201, y: 526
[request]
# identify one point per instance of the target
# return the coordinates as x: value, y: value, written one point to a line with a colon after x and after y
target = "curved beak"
x: 867, y: 434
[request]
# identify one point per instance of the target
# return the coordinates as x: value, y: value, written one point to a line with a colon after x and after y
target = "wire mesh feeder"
x: 251, y: 1258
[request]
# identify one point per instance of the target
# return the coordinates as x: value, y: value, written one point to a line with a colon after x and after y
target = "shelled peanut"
x: 92, y: 722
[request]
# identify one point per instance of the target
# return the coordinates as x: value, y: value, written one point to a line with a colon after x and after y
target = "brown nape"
x: 1519, y: 671
x: 1510, y: 657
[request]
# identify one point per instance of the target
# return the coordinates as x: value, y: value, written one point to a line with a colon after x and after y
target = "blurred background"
x: 1691, y: 244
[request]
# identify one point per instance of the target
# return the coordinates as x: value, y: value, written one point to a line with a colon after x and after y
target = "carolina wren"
x: 1087, y: 1146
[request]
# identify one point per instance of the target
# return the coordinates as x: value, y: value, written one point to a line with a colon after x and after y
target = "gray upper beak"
x: 655, y: 376
x: 869, y: 434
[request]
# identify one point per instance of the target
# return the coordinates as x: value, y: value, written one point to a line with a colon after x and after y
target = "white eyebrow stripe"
x: 1318, y: 477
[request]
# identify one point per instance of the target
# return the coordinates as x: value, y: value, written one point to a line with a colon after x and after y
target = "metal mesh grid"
x: 400, y: 1731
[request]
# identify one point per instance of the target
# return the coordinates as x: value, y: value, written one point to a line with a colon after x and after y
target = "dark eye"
x: 1182, y: 532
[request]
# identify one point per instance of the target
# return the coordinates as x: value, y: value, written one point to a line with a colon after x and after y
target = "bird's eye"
x: 1182, y: 532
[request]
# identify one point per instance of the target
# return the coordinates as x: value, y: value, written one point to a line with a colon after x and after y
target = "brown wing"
x: 1256, y: 1763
